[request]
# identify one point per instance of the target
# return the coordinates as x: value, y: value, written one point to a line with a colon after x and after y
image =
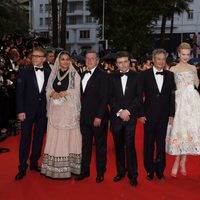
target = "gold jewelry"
x: 60, y: 78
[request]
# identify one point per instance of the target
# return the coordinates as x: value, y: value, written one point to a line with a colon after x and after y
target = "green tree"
x: 128, y: 23
x: 169, y: 8
x: 14, y: 18
x: 54, y: 5
x: 63, y: 24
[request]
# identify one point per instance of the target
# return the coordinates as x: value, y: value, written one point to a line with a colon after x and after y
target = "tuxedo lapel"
x: 92, y: 78
x: 35, y: 79
x: 82, y: 75
x: 154, y: 80
x: 119, y: 83
x: 164, y: 81
x: 81, y: 88
x: 127, y: 83
x: 45, y: 79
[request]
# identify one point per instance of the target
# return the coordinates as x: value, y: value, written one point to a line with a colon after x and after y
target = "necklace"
x: 60, y: 78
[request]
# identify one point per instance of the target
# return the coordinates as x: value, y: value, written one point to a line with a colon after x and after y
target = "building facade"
x: 186, y: 28
x: 81, y: 28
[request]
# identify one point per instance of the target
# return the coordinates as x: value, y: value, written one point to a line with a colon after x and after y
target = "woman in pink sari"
x: 62, y: 154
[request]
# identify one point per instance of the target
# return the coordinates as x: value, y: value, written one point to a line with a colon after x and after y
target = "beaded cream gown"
x: 184, y: 136
x: 62, y: 153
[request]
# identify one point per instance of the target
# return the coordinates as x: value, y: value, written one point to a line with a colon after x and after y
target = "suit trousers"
x: 38, y: 124
x: 125, y: 152
x: 154, y: 135
x: 100, y: 136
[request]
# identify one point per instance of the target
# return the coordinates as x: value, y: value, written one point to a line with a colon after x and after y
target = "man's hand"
x: 126, y: 119
x: 171, y: 119
x: 97, y: 122
x: 21, y: 116
x: 143, y: 119
x: 124, y: 115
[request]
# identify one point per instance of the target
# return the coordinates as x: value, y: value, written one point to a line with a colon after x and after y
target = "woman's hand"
x: 55, y: 95
x: 63, y: 94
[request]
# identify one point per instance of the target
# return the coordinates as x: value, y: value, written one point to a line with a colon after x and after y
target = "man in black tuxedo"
x: 94, y: 116
x: 124, y: 101
x: 50, y: 59
x: 157, y: 110
x: 31, y: 110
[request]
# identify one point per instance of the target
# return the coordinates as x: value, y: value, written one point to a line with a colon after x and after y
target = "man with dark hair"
x: 94, y: 116
x: 124, y: 101
x: 50, y: 59
x: 157, y: 110
x: 31, y: 110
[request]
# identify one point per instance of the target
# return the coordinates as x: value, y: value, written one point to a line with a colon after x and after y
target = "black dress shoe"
x: 99, y: 178
x: 150, y: 176
x: 35, y: 168
x: 82, y: 176
x: 161, y: 177
x: 118, y: 178
x: 134, y: 182
x: 20, y: 175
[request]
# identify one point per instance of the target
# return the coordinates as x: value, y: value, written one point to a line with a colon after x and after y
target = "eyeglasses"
x: 37, y: 56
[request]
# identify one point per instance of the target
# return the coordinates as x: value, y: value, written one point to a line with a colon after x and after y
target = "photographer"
x: 3, y: 99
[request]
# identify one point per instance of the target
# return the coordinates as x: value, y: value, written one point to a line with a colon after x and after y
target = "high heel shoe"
x: 183, y: 169
x: 173, y: 175
x: 183, y: 173
x: 174, y: 170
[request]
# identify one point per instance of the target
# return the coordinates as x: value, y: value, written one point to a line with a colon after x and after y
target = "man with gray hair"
x: 157, y: 109
x: 94, y: 116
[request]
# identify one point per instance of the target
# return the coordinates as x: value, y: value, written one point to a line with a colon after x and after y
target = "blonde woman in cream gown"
x: 62, y: 154
x: 184, y: 137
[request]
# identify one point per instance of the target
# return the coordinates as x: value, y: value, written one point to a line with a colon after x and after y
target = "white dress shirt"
x: 86, y: 79
x: 159, y: 78
x: 40, y: 78
x: 124, y: 79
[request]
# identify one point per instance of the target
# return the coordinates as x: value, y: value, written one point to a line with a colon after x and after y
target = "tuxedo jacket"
x: 157, y: 106
x: 129, y: 100
x: 94, y: 100
x: 28, y: 97
x: 46, y: 65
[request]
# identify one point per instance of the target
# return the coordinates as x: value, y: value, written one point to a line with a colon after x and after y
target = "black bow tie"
x: 38, y: 68
x: 123, y: 74
x: 88, y: 71
x: 160, y: 73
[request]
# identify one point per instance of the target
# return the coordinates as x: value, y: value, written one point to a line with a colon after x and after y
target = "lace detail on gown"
x: 184, y: 136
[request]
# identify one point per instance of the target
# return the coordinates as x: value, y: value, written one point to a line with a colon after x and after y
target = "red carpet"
x: 37, y: 187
